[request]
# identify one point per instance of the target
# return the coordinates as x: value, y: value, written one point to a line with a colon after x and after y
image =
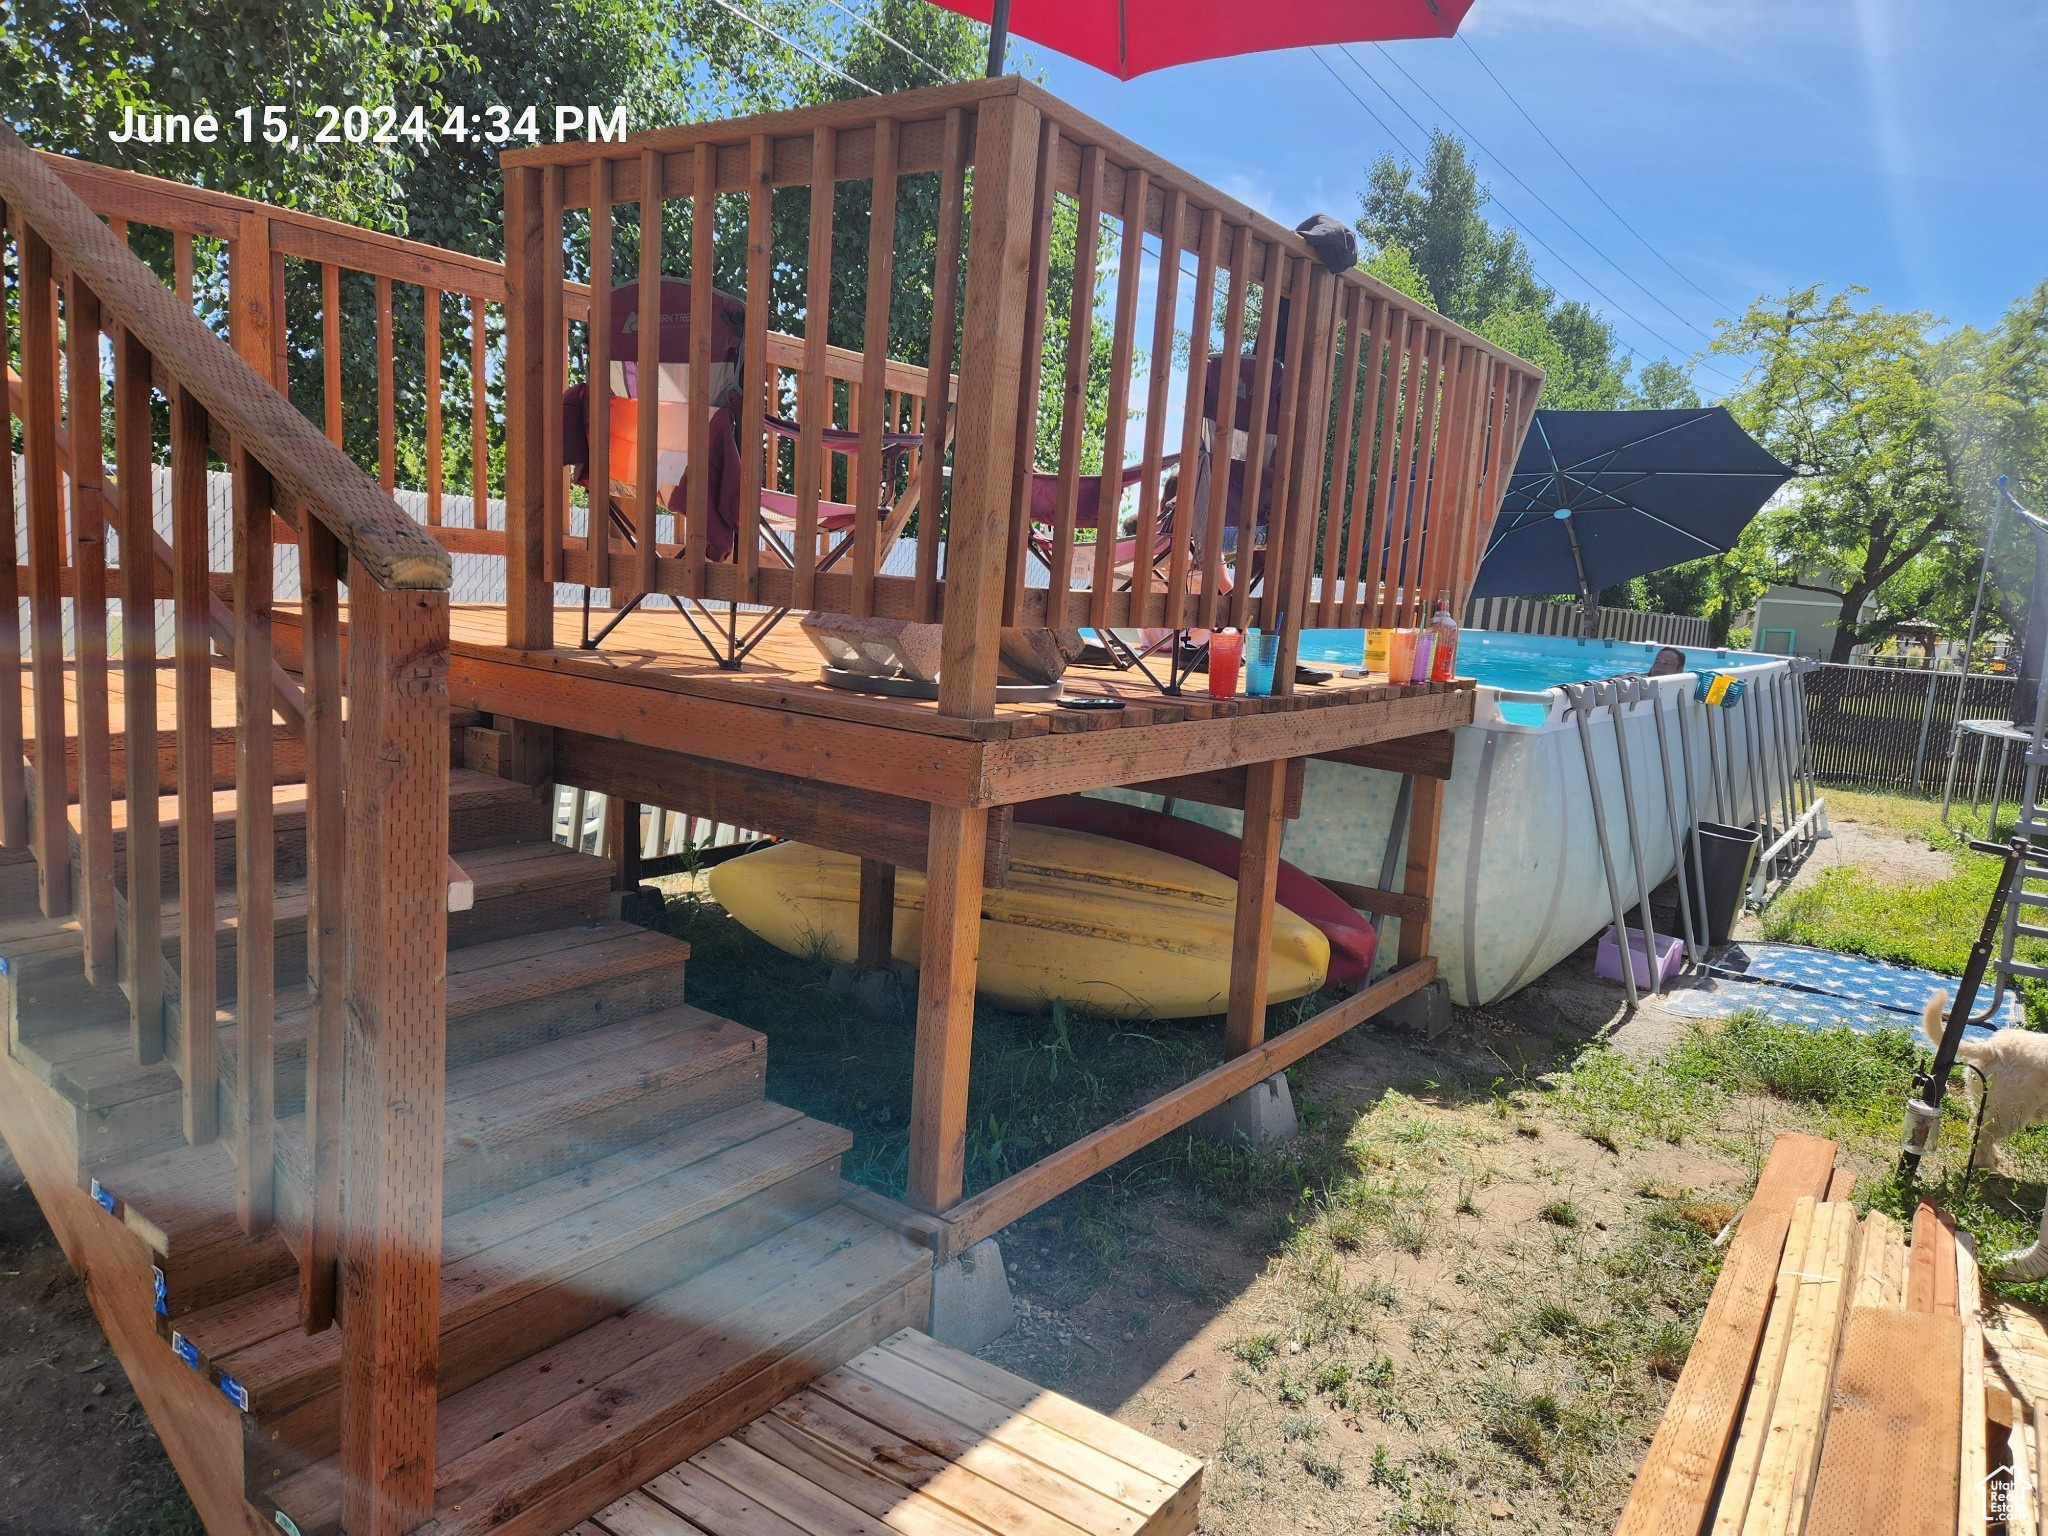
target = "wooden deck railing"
x: 1370, y: 442
x: 100, y: 340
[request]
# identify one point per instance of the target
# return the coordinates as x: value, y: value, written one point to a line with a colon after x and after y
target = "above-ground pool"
x: 1519, y: 880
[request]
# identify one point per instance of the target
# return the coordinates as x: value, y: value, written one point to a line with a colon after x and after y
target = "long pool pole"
x: 1692, y: 804
x: 1671, y: 822
x: 1580, y: 695
x: 1618, y: 696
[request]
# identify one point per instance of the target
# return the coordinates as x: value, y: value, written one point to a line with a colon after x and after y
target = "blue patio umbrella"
x: 1600, y: 496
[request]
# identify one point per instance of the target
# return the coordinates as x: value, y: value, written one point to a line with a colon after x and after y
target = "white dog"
x: 2015, y: 1081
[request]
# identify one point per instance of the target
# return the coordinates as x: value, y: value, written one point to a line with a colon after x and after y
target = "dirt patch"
x: 80, y: 1455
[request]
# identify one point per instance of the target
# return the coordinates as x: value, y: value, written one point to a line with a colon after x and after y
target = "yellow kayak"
x: 1106, y: 926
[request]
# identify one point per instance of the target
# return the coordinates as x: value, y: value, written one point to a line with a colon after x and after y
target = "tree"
x: 1427, y: 234
x: 1850, y: 396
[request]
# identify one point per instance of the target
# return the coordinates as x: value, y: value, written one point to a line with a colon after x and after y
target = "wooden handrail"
x: 311, y: 473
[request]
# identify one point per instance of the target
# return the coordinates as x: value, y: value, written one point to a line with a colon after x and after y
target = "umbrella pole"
x: 1589, y: 623
x: 998, y: 36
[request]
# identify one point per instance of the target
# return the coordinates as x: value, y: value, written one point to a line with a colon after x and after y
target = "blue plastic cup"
x: 1261, y: 653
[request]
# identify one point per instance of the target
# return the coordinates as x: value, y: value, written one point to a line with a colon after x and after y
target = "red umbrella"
x: 1133, y: 37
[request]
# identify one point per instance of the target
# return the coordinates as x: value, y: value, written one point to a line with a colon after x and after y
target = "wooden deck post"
x: 877, y: 914
x: 529, y: 587
x: 397, y: 765
x: 945, y: 1006
x: 999, y: 241
x: 1419, y: 879
x: 1258, y: 874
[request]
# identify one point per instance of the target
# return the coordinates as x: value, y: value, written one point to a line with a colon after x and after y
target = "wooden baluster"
x: 1286, y: 525
x: 1304, y: 447
x: 1215, y: 514
x: 326, y: 928
x: 1415, y: 468
x: 89, y: 626
x: 197, y: 993
x: 1492, y: 473
x: 330, y: 348
x: 647, y: 365
x: 814, y: 389
x: 1165, y: 307
x: 255, y: 848
x: 1357, y: 606
x: 555, y: 376
x: 597, y: 377
x: 1074, y: 387
x: 387, y: 405
x: 1410, y: 370
x: 697, y: 494
x: 181, y: 265
x: 1037, y: 276
x: 14, y: 831
x: 529, y: 589
x: 431, y: 366
x: 756, y: 378
x: 479, y: 416
x: 874, y: 417
x: 1123, y: 343
x: 51, y: 834
x: 1185, y: 512
x: 1329, y: 602
x: 1388, y: 413
x: 396, y: 1069
x: 1447, y: 473
x: 1264, y: 352
x: 134, y: 462
x: 939, y: 360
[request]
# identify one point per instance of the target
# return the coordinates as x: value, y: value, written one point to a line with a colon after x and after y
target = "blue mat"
x: 1820, y: 989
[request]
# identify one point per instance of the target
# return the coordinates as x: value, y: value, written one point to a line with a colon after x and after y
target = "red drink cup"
x: 1226, y: 655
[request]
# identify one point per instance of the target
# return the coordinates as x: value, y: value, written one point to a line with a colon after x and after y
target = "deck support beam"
x: 1258, y: 875
x: 945, y: 1006
x: 877, y: 914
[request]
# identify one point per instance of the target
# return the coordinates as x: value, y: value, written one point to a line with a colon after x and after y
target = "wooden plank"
x: 196, y: 1060
x: 479, y: 417
x: 255, y: 850
x: 83, y: 410
x: 1784, y: 1473
x: 14, y: 829
x: 1890, y: 1463
x: 1674, y: 1487
x: 868, y: 824
x: 907, y: 1511
x: 1258, y: 871
x: 948, y: 962
x: 992, y: 333
x: 597, y: 376
x: 1227, y: 787
x: 387, y: 403
x: 1975, y: 1464
x: 134, y: 464
x: 697, y: 494
x: 1427, y: 755
x: 1732, y: 1506
x: 1024, y: 1191
x: 877, y: 914
x: 397, y: 840
x: 529, y: 588
x: 1425, y: 813
x: 434, y: 386
x: 553, y: 339
x: 45, y: 524
x: 330, y: 350
x: 871, y: 417
x: 1123, y: 345
x: 326, y: 923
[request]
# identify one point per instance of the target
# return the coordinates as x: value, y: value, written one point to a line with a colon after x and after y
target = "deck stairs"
x: 641, y: 1252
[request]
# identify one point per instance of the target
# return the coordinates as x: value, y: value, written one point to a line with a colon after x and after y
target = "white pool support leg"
x: 1692, y: 805
x: 1672, y: 824
x: 1619, y: 695
x: 1714, y: 764
x: 1718, y: 727
x: 1776, y: 713
x: 1753, y: 750
x: 1581, y: 695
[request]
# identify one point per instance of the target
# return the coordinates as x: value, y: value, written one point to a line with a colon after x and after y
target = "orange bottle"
x: 1443, y: 656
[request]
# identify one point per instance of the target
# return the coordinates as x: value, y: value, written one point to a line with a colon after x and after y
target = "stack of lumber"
x: 1847, y: 1380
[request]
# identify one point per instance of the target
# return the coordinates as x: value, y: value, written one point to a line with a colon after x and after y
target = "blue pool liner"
x: 1821, y: 990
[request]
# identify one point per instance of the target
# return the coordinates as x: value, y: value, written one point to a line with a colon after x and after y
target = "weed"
x: 1324, y: 1470
x: 1257, y: 1350
x: 1291, y: 1390
x: 1559, y: 1213
x: 1300, y: 1426
x: 1386, y: 1472
x: 1333, y: 1377
x: 1525, y: 1425
x: 1665, y: 1350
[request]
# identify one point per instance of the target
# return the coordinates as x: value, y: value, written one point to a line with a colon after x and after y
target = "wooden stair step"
x: 483, y: 812
x: 538, y: 1446
x: 18, y: 885
x: 519, y: 1119
x: 911, y: 1436
x: 181, y: 1203
x: 528, y: 1269
x: 504, y: 996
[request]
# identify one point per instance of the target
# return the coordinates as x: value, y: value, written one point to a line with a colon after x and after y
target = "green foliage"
x: 1897, y: 432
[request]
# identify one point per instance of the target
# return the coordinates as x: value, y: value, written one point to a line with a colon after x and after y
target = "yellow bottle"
x: 1376, y: 651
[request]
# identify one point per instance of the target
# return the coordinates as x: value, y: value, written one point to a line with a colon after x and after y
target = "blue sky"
x: 1756, y: 144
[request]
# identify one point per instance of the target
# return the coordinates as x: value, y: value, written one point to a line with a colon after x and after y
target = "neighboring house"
x: 1797, y: 621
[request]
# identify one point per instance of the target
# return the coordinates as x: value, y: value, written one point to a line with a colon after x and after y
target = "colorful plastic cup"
x: 1226, y: 651
x: 1261, y: 654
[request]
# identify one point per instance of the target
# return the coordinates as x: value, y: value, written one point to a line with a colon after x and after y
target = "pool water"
x: 1523, y: 663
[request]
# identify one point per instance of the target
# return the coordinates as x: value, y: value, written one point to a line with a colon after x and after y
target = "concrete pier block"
x: 1262, y: 1115
x: 971, y: 1302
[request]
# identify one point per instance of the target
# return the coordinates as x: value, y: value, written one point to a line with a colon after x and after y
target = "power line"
x: 938, y: 74
x: 1522, y: 226
x: 1509, y: 171
x: 790, y: 42
x: 1624, y: 223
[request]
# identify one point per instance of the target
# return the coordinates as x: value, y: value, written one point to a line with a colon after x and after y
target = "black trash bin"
x: 1728, y: 854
